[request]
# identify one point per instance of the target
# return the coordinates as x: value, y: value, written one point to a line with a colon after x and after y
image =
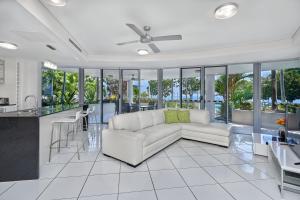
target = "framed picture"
x: 2, y: 71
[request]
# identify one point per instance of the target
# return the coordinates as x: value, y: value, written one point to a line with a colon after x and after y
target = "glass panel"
x: 131, y: 91
x: 215, y: 92
x: 240, y: 96
x: 110, y: 94
x: 59, y: 87
x: 191, y: 85
x: 91, y: 96
x: 148, y: 100
x: 171, y: 88
x: 280, y: 96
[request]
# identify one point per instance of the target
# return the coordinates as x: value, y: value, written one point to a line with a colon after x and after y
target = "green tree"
x: 153, y: 87
x: 90, y: 87
x: 240, y: 87
x: 190, y: 85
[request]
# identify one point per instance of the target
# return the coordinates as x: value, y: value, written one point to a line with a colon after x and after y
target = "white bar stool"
x: 74, y: 122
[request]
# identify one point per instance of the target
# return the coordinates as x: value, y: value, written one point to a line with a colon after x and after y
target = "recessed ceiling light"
x: 226, y: 10
x: 8, y: 45
x: 56, y: 2
x: 50, y: 65
x: 143, y: 52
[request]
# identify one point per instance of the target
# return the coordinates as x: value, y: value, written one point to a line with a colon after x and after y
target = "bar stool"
x: 74, y: 122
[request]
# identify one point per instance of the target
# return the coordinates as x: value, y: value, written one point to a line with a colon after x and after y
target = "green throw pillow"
x: 171, y: 116
x: 183, y: 116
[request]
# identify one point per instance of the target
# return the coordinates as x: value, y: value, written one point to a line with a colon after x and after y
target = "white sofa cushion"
x: 199, y: 116
x: 146, y: 119
x: 206, y: 128
x: 129, y: 121
x: 155, y: 133
x: 158, y: 116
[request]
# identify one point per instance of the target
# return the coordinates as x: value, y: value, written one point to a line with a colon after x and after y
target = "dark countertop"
x: 40, y: 112
x: 7, y: 105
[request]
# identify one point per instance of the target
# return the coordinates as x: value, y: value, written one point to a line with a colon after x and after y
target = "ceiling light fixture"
x: 50, y: 65
x: 143, y: 52
x: 8, y: 45
x: 56, y: 2
x: 226, y: 10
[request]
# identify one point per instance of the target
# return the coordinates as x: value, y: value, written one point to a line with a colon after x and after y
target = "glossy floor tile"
x: 183, y: 162
x: 135, y: 181
x: 63, y: 188
x: 101, y: 184
x: 175, y: 194
x: 21, y: 190
x: 106, y: 167
x: 196, y: 176
x: 245, y: 191
x: 211, y: 192
x: 186, y: 170
x: 144, y: 195
x: 223, y: 174
x: 166, y: 179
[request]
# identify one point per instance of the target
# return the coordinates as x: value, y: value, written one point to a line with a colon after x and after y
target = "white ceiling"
x: 262, y: 30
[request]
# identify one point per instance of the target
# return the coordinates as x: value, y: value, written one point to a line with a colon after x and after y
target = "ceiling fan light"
x: 8, y: 45
x: 226, y: 10
x: 143, y: 52
x: 56, y: 2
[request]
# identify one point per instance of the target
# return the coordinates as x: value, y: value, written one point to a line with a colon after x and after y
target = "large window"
x: 191, y: 95
x: 171, y: 88
x: 240, y: 94
x: 130, y: 91
x: 216, y: 93
x: 59, y: 87
x: 148, y: 90
x: 280, y: 94
x: 110, y: 94
x: 92, y: 93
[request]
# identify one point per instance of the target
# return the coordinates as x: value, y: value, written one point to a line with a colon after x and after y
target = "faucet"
x: 35, y: 99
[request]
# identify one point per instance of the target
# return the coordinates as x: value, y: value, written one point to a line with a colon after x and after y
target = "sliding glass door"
x: 280, y: 97
x: 216, y: 93
x: 191, y: 88
x: 110, y: 94
x: 130, y: 91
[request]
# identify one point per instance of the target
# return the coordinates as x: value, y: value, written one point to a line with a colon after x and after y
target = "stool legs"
x: 59, y: 139
x: 50, y: 150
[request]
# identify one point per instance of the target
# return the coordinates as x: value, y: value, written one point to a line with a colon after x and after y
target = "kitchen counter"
x: 24, y: 140
x: 3, y: 105
x: 40, y: 112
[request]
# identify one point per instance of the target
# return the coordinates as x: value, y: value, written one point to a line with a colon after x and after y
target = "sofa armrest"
x: 123, y: 145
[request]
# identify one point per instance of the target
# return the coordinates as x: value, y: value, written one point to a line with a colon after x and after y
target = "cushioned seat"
x: 137, y: 136
x: 206, y: 128
x: 155, y: 133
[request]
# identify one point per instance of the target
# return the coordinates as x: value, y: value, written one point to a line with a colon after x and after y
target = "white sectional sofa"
x: 134, y: 137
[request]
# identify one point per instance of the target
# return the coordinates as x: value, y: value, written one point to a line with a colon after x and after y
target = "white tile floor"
x: 187, y: 170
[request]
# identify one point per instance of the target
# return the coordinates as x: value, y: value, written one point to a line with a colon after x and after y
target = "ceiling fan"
x: 146, y: 38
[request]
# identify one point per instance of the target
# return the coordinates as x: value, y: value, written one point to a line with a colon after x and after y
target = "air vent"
x: 75, y: 45
x: 51, y: 47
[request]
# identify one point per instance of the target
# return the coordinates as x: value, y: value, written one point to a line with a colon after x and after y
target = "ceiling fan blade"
x: 130, y: 42
x: 167, y: 37
x: 154, y: 48
x: 136, y: 29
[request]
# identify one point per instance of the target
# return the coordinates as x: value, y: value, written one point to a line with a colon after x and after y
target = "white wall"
x: 29, y: 80
x: 8, y: 89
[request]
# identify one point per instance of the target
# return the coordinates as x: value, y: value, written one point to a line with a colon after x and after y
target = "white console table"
x: 285, y: 159
x: 260, y: 144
